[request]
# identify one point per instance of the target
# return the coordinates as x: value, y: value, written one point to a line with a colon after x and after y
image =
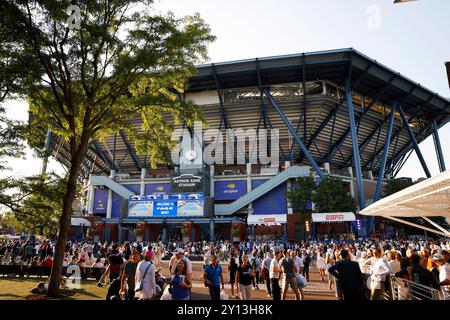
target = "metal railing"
x: 402, y: 289
x: 399, y: 289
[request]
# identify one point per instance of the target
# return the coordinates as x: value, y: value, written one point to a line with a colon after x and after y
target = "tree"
x: 300, y: 196
x: 330, y: 196
x: 122, y: 63
x: 396, y: 185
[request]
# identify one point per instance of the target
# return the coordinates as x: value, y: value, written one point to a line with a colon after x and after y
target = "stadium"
x: 338, y: 112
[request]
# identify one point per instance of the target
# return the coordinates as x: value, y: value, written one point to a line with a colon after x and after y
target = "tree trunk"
x: 64, y: 222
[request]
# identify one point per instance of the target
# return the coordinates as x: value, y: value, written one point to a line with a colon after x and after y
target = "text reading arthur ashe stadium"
x: 225, y: 309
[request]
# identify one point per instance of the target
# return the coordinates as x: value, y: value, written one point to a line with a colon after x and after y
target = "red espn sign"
x: 269, y: 219
x: 334, y: 217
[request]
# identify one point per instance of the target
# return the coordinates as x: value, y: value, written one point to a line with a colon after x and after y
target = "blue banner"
x: 273, y: 202
x: 100, y: 200
x: 230, y: 190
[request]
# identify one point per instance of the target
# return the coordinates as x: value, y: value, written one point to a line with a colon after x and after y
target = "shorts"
x: 292, y: 282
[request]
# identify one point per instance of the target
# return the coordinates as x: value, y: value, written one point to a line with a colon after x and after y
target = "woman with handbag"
x: 145, y: 287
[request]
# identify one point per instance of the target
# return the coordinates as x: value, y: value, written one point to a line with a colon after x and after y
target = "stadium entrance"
x: 327, y: 226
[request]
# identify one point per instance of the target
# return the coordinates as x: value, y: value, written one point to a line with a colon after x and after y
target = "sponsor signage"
x: 230, y: 190
x: 157, y: 188
x: 267, y: 219
x: 333, y: 217
x: 187, y: 183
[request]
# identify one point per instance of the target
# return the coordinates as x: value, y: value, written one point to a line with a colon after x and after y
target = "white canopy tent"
x: 429, y: 198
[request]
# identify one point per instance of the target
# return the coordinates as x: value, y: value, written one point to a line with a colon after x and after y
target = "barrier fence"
x: 401, y: 289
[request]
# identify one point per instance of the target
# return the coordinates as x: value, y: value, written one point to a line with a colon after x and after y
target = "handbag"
x: 301, y: 281
x: 141, y: 286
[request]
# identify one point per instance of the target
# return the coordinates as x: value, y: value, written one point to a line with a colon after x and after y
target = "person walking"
x: 321, y: 265
x: 381, y: 269
x: 265, y: 272
x: 306, y: 262
x: 350, y: 280
x: 127, y: 280
x: 244, y: 277
x: 274, y: 274
x: 213, y: 277
x: 145, y: 284
x: 256, y: 264
x: 232, y: 269
x: 180, y: 284
x: 288, y: 270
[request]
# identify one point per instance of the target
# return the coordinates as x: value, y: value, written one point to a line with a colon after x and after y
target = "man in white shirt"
x: 297, y: 261
x: 274, y: 274
x: 381, y: 269
x: 179, y: 254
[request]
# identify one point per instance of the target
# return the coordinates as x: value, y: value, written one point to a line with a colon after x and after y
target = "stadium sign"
x: 187, y: 183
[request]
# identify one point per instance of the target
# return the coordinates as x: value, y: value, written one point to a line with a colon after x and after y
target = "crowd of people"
x: 359, y: 268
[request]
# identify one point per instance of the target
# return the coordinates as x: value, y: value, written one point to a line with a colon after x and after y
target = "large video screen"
x: 175, y: 205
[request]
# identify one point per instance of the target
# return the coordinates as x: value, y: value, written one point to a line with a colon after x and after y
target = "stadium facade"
x: 338, y: 112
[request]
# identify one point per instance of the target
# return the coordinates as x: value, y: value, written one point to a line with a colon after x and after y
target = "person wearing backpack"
x: 212, y: 276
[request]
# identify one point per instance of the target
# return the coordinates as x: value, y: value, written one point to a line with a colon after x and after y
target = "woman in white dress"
x: 145, y: 278
x: 321, y: 265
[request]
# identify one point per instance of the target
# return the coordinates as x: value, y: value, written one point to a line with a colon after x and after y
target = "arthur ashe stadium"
x: 338, y: 112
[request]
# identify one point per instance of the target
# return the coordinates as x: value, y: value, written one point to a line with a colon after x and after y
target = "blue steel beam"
x: 351, y: 116
x: 402, y: 163
x: 365, y: 143
x: 222, y: 108
x: 395, y: 136
x: 102, y: 155
x: 294, y: 134
x: 131, y: 150
x: 324, y: 123
x: 414, y: 141
x: 437, y: 146
x: 395, y: 157
x: 387, y: 144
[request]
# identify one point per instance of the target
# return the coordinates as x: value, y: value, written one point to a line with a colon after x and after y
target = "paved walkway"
x: 316, y: 289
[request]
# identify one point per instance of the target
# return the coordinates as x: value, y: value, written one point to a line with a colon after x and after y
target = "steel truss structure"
x: 336, y: 107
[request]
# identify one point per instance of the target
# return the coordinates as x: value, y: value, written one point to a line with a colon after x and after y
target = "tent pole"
x: 417, y: 226
x: 435, y: 224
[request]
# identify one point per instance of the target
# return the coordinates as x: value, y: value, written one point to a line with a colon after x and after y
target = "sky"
x: 411, y: 38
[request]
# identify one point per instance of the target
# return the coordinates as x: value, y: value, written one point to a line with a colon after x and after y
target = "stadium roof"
x: 367, y: 77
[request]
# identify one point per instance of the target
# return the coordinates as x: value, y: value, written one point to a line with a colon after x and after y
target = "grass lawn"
x: 19, y: 289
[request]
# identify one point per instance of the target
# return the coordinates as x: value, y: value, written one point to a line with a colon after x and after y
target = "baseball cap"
x: 179, y: 250
x: 438, y: 256
x: 212, y: 257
